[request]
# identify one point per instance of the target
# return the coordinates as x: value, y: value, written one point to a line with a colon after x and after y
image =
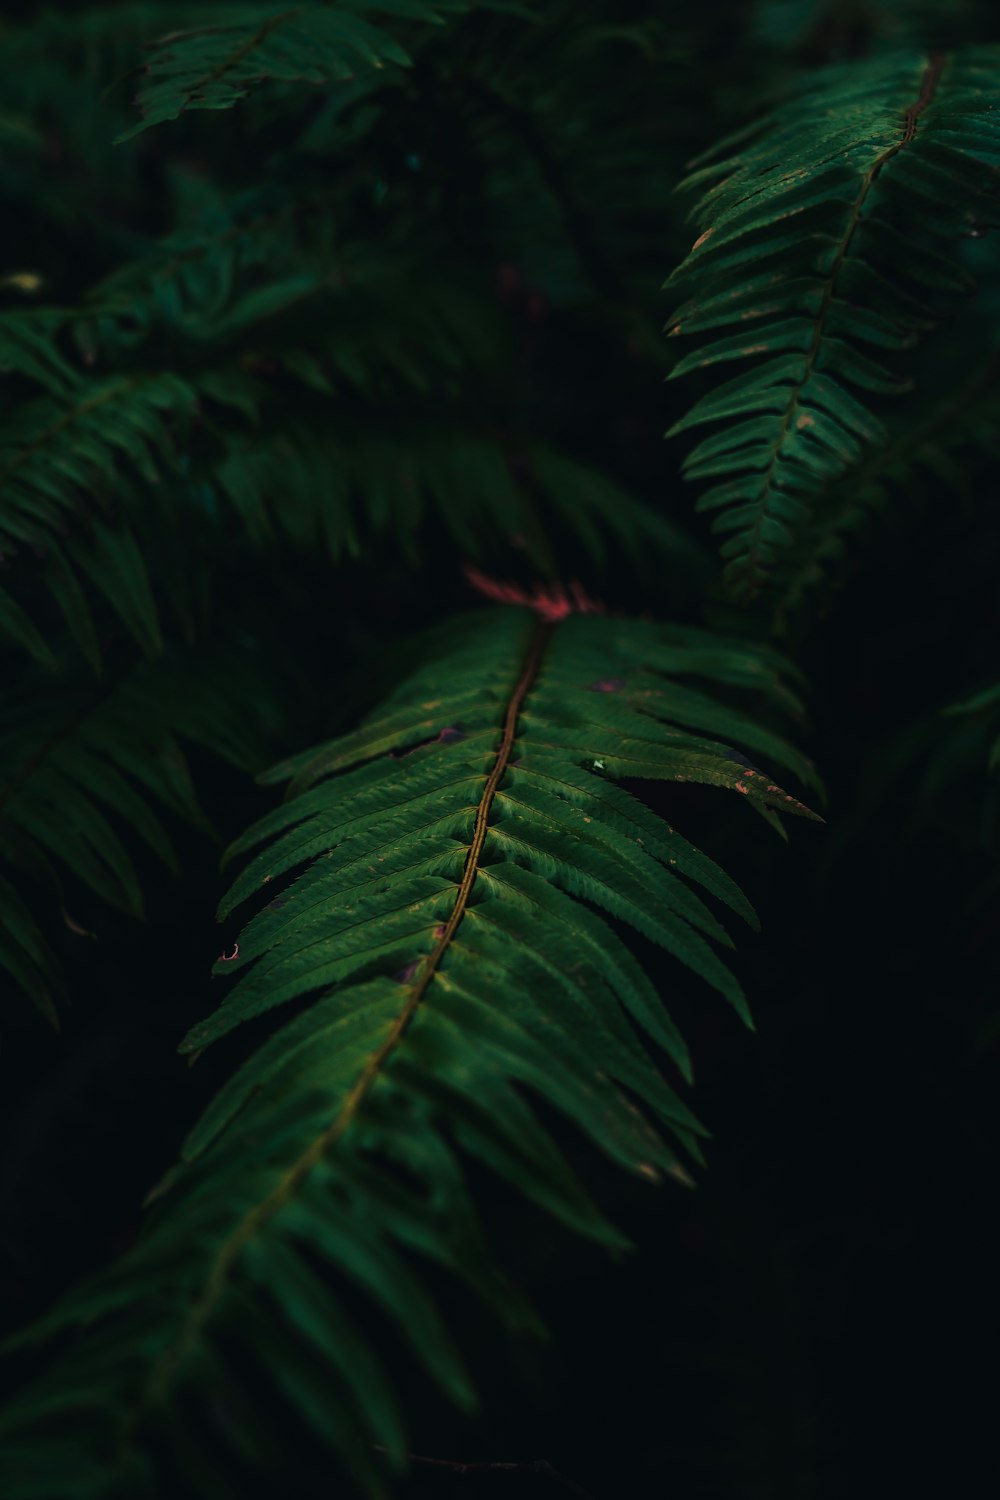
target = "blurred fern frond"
x: 88, y: 769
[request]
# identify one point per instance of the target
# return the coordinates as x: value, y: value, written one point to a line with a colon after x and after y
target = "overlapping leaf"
x: 947, y: 446
x: 235, y: 49
x: 445, y: 885
x: 407, y: 489
x: 824, y: 251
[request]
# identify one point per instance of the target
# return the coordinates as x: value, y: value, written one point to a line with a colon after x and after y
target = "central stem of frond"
x: 429, y: 965
x: 293, y: 1178
x: 928, y: 88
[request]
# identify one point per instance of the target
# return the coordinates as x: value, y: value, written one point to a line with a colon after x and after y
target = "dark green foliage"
x: 827, y: 241
x: 436, y: 854
x: 984, y: 706
x: 950, y: 439
x: 217, y: 64
x: 264, y: 349
x: 86, y: 769
x: 367, y: 327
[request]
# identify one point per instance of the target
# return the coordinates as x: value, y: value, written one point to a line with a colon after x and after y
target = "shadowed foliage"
x: 331, y: 415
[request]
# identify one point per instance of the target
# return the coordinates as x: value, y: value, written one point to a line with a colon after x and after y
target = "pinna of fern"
x: 827, y: 247
x: 440, y: 887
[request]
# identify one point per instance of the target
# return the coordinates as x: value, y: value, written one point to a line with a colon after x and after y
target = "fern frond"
x: 610, y: 722
x: 406, y: 489
x: 949, y: 444
x: 456, y: 861
x: 87, y: 771
x: 234, y: 51
x: 824, y: 243
x: 61, y: 458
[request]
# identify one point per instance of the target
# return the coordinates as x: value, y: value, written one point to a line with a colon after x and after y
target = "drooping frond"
x: 824, y: 247
x: 234, y: 51
x: 340, y: 490
x: 87, y: 772
x: 442, y: 883
x: 89, y: 466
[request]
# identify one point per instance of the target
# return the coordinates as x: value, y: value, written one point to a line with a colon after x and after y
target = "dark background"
x: 813, y: 1319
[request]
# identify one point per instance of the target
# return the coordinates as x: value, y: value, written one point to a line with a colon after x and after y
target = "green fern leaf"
x: 820, y: 240
x: 233, y: 51
x: 451, y: 861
